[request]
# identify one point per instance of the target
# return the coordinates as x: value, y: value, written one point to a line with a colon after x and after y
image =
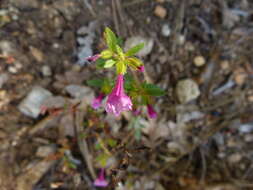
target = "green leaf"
x: 95, y: 82
x: 128, y: 84
x: 134, y: 62
x: 106, y: 54
x: 153, y: 90
x: 97, y: 146
x: 109, y: 63
x: 100, y: 63
x: 132, y: 51
x: 111, y: 39
x: 111, y: 142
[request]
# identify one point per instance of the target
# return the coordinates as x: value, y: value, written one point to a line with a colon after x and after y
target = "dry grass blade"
x: 83, y: 146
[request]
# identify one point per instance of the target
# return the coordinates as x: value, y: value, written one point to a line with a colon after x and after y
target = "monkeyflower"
x: 96, y: 103
x: 101, y: 181
x: 151, y: 112
x: 118, y: 101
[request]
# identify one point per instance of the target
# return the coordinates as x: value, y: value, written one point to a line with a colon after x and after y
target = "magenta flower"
x: 151, y: 112
x: 118, y: 101
x: 93, y: 58
x: 141, y: 68
x: 96, y: 103
x: 101, y: 181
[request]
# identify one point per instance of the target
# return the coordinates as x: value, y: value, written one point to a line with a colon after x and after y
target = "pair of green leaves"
x: 115, y: 55
x: 130, y: 85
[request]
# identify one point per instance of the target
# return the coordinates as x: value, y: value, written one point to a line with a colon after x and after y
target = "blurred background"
x: 199, y: 51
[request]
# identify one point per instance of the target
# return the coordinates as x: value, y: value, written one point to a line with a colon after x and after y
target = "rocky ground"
x: 199, y: 51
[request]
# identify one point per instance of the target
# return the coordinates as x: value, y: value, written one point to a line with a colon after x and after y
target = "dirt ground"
x: 202, y: 144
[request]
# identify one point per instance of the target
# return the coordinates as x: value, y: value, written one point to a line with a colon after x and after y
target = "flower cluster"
x: 122, y: 96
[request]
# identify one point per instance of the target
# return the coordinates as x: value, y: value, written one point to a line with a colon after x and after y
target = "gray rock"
x: 31, y: 105
x: 3, y: 79
x: 85, y: 39
x: 45, y: 151
x: 166, y: 31
x: 133, y: 41
x: 27, y: 180
x: 54, y: 102
x: 46, y: 71
x: 80, y: 92
x: 187, y: 90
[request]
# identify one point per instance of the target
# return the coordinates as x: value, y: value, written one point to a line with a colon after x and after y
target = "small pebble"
x: 12, y: 69
x: 187, y: 90
x: 37, y: 54
x: 45, y: 151
x: 3, y: 79
x: 248, y: 138
x: 166, y: 30
x: 189, y: 46
x: 234, y: 158
x: 160, y: 11
x: 240, y: 76
x: 250, y: 98
x: 46, y: 71
x: 224, y: 65
x: 181, y: 39
x: 199, y: 61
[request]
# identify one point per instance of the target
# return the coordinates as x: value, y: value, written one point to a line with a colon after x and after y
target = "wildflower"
x: 96, y: 103
x: 101, y: 181
x: 93, y: 57
x: 118, y: 101
x: 141, y: 68
x: 151, y: 112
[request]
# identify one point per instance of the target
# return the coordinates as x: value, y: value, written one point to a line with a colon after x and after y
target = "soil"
x: 210, y: 151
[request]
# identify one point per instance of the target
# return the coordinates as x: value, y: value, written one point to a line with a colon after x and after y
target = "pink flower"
x: 93, y: 58
x: 151, y: 112
x: 118, y: 101
x: 96, y: 103
x: 100, y: 181
x: 141, y: 68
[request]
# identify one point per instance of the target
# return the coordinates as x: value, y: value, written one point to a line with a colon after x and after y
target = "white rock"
x: 46, y: 71
x: 246, y: 128
x: 187, y: 90
x: 80, y: 92
x: 31, y: 105
x: 133, y: 41
x: 166, y: 31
